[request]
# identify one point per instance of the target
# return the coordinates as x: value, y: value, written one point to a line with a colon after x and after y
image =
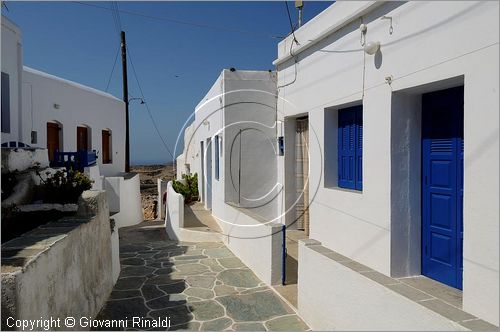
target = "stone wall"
x: 60, y: 269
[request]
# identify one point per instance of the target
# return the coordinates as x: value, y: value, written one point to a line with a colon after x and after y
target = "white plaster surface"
x: 124, y: 197
x: 332, y: 297
x: 434, y: 45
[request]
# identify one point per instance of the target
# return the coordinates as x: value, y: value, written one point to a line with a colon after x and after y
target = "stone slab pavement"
x: 198, y: 286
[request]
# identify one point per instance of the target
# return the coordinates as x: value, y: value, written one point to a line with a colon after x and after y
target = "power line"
x: 176, y: 21
x: 291, y: 24
x: 147, y: 106
x: 113, y: 69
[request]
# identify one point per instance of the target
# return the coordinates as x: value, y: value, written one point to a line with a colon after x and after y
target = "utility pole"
x: 300, y: 6
x: 125, y: 99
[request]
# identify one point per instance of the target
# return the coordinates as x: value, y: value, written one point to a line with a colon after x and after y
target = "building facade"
x: 401, y: 100
x: 231, y: 145
x: 40, y: 110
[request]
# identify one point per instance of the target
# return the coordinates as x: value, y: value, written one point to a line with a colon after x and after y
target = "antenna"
x: 299, y: 4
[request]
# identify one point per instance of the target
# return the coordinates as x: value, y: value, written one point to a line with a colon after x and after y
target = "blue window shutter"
x: 359, y: 148
x: 346, y: 149
x: 350, y: 139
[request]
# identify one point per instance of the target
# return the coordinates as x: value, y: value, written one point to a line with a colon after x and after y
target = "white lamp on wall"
x: 372, y: 47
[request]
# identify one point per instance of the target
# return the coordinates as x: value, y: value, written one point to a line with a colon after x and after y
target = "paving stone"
x: 201, y: 281
x: 207, y: 310
x: 121, y: 309
x: 223, y: 290
x: 218, y: 253
x: 446, y: 310
x: 231, y: 262
x: 129, y: 283
x: 163, y: 271
x: 287, y: 323
x: 128, y: 254
x: 156, y: 265
x: 189, y: 269
x: 175, y: 288
x: 193, y: 257
x: 239, y: 278
x: 146, y: 255
x: 479, y: 325
x: 212, y: 264
x: 191, y: 326
x: 251, y: 326
x: 151, y: 292
x: 122, y: 294
x: 199, y: 292
x: 163, y: 302
x: 178, y: 315
x: 409, y: 292
x: 254, y: 290
x: 136, y: 271
x: 253, y: 307
x: 208, y: 245
x: 178, y: 297
x: 162, y: 280
x: 132, y: 248
x: 216, y: 325
x: 181, y: 262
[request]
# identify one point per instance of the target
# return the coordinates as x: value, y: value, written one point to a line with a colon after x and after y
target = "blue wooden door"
x: 442, y: 185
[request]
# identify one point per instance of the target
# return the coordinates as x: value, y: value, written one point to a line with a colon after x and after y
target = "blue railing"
x: 74, y: 160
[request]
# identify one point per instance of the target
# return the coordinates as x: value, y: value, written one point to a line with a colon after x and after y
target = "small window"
x: 217, y: 157
x: 5, y: 103
x: 106, y: 147
x: 350, y: 148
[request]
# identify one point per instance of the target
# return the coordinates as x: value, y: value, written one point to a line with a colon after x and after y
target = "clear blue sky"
x: 79, y: 42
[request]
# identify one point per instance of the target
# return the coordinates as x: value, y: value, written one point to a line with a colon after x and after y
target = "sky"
x: 176, y: 64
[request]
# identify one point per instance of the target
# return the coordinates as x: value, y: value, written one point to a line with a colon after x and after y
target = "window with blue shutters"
x: 217, y: 157
x: 350, y: 148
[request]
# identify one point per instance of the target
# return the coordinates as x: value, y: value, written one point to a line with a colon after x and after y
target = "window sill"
x: 354, y: 191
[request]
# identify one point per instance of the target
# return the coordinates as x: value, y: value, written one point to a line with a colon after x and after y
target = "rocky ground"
x: 148, y: 175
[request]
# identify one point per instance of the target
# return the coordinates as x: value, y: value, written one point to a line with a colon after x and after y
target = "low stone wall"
x: 21, y: 159
x: 334, y: 293
x: 174, y: 219
x: 60, y: 269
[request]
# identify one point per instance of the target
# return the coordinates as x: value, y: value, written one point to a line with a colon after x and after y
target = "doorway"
x: 82, y: 139
x: 202, y: 168
x: 53, y: 141
x: 442, y: 185
x: 208, y: 189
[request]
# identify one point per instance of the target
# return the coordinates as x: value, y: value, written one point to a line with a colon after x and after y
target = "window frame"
x: 350, y: 123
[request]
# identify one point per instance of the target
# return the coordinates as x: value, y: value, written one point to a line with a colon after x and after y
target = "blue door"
x: 442, y: 185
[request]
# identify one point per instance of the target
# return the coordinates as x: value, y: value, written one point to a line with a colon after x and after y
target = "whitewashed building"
x: 231, y: 145
x: 402, y: 105
x: 43, y: 111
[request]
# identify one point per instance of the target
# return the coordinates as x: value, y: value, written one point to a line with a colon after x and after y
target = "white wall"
x: 78, y: 106
x: 243, y: 100
x: 124, y: 199
x: 12, y: 65
x: 433, y: 45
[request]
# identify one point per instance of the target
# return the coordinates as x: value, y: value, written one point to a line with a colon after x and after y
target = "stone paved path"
x: 199, y: 286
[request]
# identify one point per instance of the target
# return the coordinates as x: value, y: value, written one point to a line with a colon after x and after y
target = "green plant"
x: 189, y: 189
x: 62, y: 187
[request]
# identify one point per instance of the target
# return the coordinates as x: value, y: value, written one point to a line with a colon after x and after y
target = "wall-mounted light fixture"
x: 57, y: 106
x: 372, y: 47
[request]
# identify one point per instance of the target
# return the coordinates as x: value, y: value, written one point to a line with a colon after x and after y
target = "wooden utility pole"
x: 125, y: 99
